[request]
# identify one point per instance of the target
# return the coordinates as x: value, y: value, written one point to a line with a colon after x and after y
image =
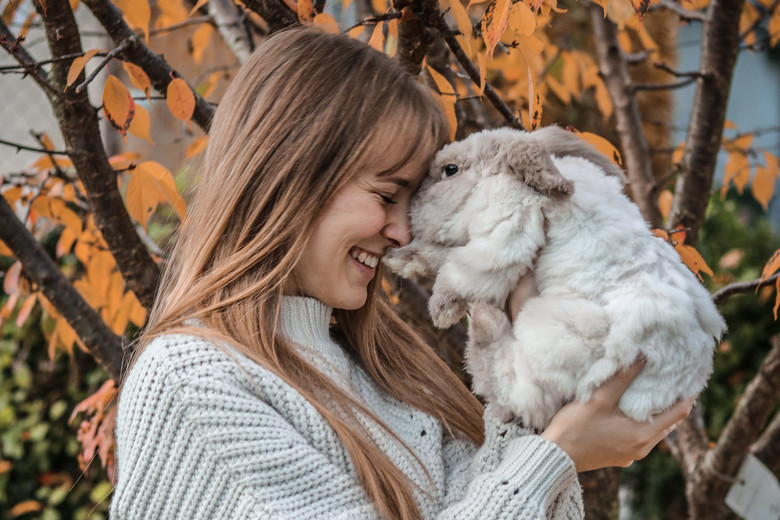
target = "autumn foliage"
x: 524, y: 63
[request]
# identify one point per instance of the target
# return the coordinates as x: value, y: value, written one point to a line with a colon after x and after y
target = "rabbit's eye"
x: 449, y: 170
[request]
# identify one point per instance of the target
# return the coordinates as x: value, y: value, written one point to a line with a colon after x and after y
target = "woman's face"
x: 361, y: 222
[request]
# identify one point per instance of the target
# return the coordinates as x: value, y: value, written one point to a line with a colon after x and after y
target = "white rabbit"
x: 545, y: 208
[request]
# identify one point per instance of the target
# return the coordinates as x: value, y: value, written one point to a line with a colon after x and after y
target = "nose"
x: 398, y: 228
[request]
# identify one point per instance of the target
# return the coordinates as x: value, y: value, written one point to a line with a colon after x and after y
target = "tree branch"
x: 413, y: 37
x: 489, y: 91
x: 767, y: 447
x: 78, y: 123
x: 685, y: 14
x: 275, y: 13
x: 720, y: 46
x: 723, y: 461
x: 741, y: 287
x: 228, y: 23
x: 636, y: 151
x: 105, y: 346
x: 31, y: 149
x: 159, y: 72
x: 111, y: 55
x: 13, y: 46
x: 663, y: 86
x: 692, y: 442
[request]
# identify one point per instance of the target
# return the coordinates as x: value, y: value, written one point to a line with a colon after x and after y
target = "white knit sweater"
x: 199, y: 436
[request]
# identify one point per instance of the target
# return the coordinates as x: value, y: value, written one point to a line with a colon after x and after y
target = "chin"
x: 349, y: 302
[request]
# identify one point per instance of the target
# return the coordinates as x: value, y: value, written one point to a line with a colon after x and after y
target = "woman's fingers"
x: 612, y: 390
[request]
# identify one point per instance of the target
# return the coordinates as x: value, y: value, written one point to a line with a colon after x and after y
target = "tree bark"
x: 105, y: 346
x: 78, y: 122
x: 720, y: 46
x: 636, y: 152
x: 709, y: 483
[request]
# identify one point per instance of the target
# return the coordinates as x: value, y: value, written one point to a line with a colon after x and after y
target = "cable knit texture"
x: 207, y: 434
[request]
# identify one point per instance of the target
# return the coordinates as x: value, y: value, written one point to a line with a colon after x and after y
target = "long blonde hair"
x: 292, y: 129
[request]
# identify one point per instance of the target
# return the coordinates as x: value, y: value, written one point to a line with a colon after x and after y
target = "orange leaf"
x: 305, y: 11
x: 25, y: 310
x: 200, y: 41
x: 23, y: 508
x: 494, y: 24
x: 181, y: 100
x: 356, y: 31
x: 774, y: 29
x: 392, y: 38
x: 377, y: 40
x: 139, y: 126
x: 693, y: 259
x: 326, y: 23
x: 207, y: 87
x: 150, y: 184
x: 11, y: 280
x: 461, y: 18
x: 78, y: 65
x: 197, y: 146
x: 771, y: 266
x: 763, y: 186
x: 5, y: 250
x: 665, y: 200
x: 641, y: 6
x: 603, y: 146
x: 118, y: 105
x: 446, y: 99
x: 138, y: 78
x: 521, y: 19
x: 660, y: 233
x: 137, y: 13
x: 777, y: 297
x: 772, y: 163
x: 678, y: 152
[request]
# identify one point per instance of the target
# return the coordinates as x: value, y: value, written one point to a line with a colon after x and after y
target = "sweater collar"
x: 306, y: 322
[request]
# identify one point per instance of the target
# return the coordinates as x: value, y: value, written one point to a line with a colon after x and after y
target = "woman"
x: 273, y: 381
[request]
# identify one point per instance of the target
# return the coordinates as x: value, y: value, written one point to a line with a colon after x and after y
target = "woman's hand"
x: 596, y: 434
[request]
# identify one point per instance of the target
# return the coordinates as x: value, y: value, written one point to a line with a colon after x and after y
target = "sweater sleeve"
x: 514, y: 474
x: 205, y: 447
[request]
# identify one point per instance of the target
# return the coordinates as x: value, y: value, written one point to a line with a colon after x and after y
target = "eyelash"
x: 386, y: 199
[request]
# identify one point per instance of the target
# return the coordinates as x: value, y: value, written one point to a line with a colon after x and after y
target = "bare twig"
x: 105, y: 346
x: 663, y: 86
x: 13, y: 46
x: 372, y: 20
x: 31, y: 148
x: 111, y: 55
x: 685, y: 14
x: 197, y: 20
x: 741, y: 287
x: 666, y: 68
x: 759, y: 20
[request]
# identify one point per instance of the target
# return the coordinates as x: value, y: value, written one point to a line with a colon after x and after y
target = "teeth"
x: 365, y: 259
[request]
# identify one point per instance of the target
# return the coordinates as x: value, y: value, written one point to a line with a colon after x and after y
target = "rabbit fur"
x: 543, y: 212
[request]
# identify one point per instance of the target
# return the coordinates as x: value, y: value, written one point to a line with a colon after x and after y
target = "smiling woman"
x: 273, y: 380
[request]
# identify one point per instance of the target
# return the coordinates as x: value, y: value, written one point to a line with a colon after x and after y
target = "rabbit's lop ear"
x: 534, y: 166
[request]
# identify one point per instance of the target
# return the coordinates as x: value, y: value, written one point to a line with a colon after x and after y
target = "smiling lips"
x: 365, y: 258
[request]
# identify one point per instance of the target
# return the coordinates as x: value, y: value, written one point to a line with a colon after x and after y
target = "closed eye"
x: 386, y: 199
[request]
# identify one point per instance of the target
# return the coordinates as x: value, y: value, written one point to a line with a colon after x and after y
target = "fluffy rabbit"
x: 545, y: 210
